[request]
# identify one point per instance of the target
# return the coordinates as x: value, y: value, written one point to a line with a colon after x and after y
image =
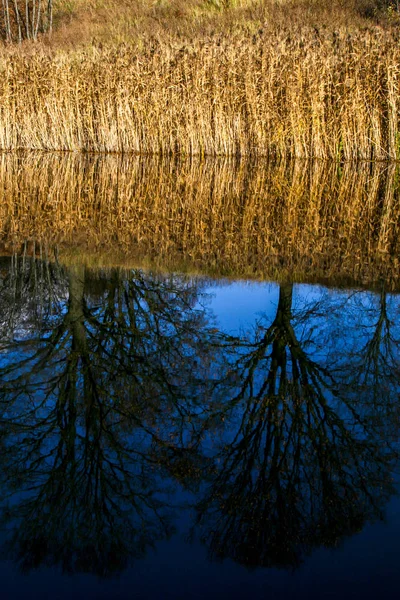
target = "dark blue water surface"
x: 166, y: 436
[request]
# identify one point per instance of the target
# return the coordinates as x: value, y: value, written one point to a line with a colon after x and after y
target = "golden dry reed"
x: 307, y: 94
x: 305, y: 220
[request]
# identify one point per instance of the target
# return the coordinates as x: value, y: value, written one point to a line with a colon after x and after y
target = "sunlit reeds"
x: 307, y: 94
x: 303, y: 219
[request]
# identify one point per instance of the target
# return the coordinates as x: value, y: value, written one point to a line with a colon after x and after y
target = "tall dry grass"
x: 311, y: 94
x: 305, y: 220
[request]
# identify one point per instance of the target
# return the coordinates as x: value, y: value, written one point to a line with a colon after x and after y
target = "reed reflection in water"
x: 119, y: 392
x: 302, y: 220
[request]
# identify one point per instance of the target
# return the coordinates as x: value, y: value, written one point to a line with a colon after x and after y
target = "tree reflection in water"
x: 116, y: 386
x: 305, y: 464
x: 89, y: 399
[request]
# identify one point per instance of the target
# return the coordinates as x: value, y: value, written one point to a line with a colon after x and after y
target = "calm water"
x: 305, y: 220
x: 165, y: 436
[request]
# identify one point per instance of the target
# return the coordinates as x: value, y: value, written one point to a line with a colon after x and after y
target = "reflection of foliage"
x: 303, y: 467
x: 82, y: 412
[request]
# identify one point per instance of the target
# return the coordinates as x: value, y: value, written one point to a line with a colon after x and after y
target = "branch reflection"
x: 91, y: 395
x: 117, y: 390
x: 302, y: 461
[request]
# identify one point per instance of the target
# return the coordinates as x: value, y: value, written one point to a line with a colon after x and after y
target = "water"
x: 172, y: 436
x: 244, y: 219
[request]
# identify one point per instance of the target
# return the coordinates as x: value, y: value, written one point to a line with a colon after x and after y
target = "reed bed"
x: 306, y: 94
x: 304, y: 220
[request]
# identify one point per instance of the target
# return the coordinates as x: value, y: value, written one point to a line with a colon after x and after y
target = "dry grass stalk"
x: 276, y: 94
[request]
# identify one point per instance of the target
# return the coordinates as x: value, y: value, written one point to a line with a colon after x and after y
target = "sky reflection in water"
x: 182, y: 436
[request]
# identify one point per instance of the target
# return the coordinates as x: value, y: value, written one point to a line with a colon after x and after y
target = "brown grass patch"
x: 299, y: 78
x: 308, y: 95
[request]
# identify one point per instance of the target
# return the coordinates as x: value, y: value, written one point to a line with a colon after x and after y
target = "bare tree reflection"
x: 83, y: 401
x: 31, y: 289
x: 369, y: 365
x: 117, y: 386
x: 299, y: 465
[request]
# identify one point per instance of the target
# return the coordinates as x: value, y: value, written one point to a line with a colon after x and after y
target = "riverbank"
x: 283, y: 90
